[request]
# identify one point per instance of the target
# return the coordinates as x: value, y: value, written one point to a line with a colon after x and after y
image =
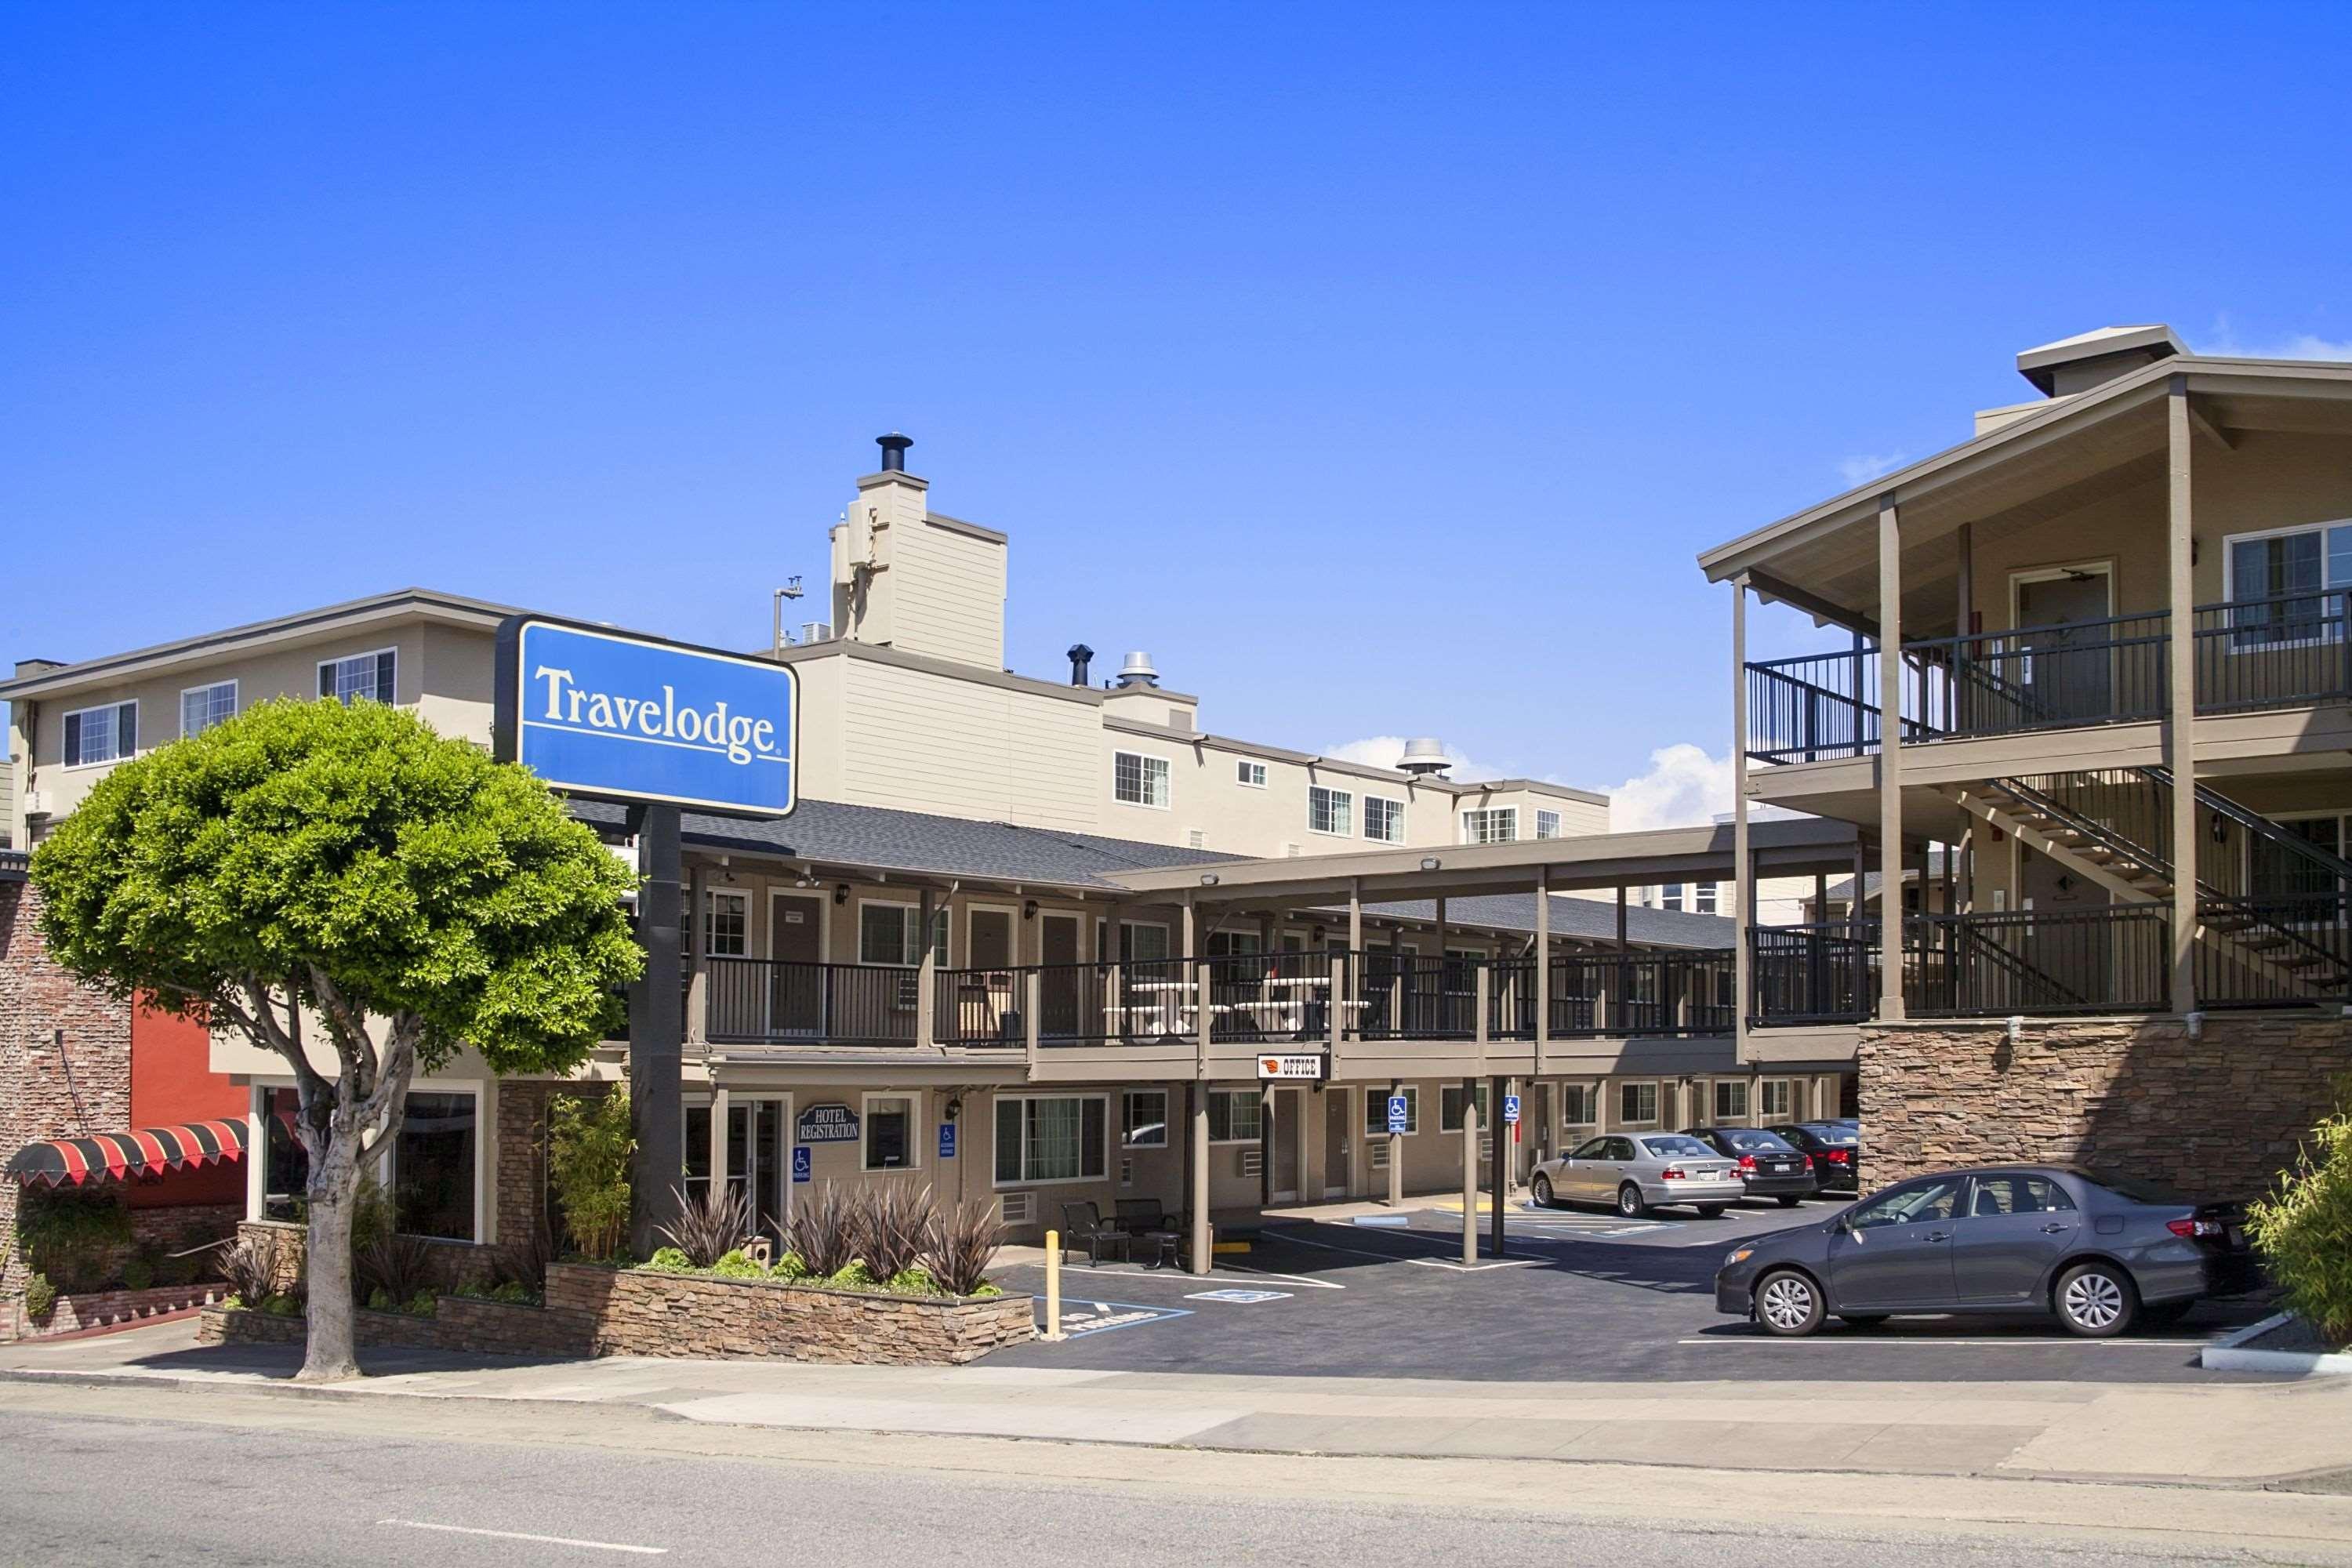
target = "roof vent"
x: 1425, y: 754
x: 1081, y: 656
x: 894, y: 451
x: 1138, y: 671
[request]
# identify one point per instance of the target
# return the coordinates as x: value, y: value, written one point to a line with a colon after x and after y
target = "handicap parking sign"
x: 801, y: 1162
x: 1510, y: 1110
x: 1398, y: 1113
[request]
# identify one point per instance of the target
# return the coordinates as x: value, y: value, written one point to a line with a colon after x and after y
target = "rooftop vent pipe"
x: 1081, y: 656
x: 1138, y: 670
x: 1425, y: 754
x: 894, y: 451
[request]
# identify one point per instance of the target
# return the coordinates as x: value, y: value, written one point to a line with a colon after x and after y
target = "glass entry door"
x: 759, y: 1157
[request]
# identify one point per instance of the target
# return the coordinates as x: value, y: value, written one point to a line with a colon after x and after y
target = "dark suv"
x: 1835, y: 1148
x: 1769, y: 1166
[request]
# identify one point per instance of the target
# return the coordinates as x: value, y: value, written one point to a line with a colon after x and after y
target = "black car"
x: 1769, y: 1166
x: 1836, y: 1147
x: 2100, y: 1251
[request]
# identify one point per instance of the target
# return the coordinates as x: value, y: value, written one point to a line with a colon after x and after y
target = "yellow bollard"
x: 1053, y: 1284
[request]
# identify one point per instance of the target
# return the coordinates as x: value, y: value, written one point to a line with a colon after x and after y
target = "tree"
x: 308, y: 871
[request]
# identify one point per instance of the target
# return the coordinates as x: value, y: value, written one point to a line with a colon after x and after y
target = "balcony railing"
x: 1825, y: 972
x: 2276, y: 950
x: 756, y: 999
x: 2285, y: 651
x: 2112, y: 960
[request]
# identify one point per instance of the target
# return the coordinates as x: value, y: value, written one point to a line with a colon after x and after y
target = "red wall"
x: 172, y: 1080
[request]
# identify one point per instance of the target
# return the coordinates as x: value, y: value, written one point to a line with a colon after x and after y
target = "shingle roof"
x: 844, y: 835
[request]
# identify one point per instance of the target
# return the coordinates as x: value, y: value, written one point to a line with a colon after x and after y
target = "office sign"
x: 803, y: 1164
x: 614, y: 714
x: 827, y: 1124
x: 1400, y: 1113
x: 1303, y: 1066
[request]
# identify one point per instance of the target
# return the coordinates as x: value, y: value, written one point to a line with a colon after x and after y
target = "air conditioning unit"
x: 37, y: 802
x: 1253, y: 1161
x: 816, y: 632
x: 1019, y: 1208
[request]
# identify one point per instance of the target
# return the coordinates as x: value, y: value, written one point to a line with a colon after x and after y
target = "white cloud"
x: 1685, y: 787
x: 1382, y: 752
x: 1863, y: 467
x: 2298, y: 345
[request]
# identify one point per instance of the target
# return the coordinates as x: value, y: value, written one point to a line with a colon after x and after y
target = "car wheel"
x: 1541, y: 1190
x: 1630, y: 1202
x: 1710, y: 1211
x: 1789, y: 1203
x: 2096, y: 1300
x: 1787, y: 1304
x: 1862, y: 1320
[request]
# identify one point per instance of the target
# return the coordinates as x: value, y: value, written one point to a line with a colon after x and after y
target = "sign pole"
x: 655, y: 1026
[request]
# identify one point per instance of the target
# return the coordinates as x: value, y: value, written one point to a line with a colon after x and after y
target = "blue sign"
x: 947, y: 1140
x: 1510, y: 1110
x: 827, y: 1124
x: 608, y: 713
x: 1400, y: 1113
x: 803, y: 1166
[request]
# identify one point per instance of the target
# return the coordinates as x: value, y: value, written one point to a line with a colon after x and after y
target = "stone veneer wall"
x: 459, y: 1324
x: 638, y: 1312
x: 103, y: 1308
x: 65, y: 1059
x: 2218, y: 1116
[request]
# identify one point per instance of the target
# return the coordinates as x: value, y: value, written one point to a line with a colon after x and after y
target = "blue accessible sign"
x: 802, y: 1166
x: 947, y: 1140
x: 1510, y: 1110
x: 1400, y: 1113
x: 632, y: 718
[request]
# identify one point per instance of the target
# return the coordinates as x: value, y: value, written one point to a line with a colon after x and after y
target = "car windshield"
x: 1832, y: 1133
x: 1758, y: 1143
x: 2132, y: 1187
x: 1676, y: 1148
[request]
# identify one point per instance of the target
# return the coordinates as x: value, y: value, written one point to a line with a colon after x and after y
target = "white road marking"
x: 1178, y: 1276
x: 1423, y: 1262
x: 521, y: 1535
x: 1914, y: 1342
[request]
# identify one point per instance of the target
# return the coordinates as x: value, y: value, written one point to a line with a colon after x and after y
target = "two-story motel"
x: 2096, y: 719
x: 1025, y: 940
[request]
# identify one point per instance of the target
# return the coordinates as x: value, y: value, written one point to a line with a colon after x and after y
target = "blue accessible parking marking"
x: 1083, y: 1317
x: 1241, y: 1296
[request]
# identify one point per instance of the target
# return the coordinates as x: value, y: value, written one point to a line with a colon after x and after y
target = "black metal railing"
x: 2110, y: 960
x: 1270, y: 996
x: 14, y: 864
x: 1403, y: 995
x: 2040, y: 678
x: 2284, y: 651
x: 979, y: 1006
x: 1822, y: 973
x: 1684, y: 991
x: 2127, y: 811
x: 2276, y: 950
x: 1814, y: 707
x: 758, y: 999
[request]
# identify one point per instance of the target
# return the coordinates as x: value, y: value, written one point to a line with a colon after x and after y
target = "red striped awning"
x: 117, y: 1156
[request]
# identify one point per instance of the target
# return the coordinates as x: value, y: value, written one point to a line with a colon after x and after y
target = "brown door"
x: 1338, y: 1172
x: 795, y: 971
x: 1285, y: 1146
x: 1058, y: 987
x: 991, y: 939
x: 2068, y: 665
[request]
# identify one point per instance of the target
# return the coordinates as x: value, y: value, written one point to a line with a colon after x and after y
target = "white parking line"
x: 520, y: 1535
x: 1423, y: 1262
x: 1178, y: 1277
x: 1849, y: 1340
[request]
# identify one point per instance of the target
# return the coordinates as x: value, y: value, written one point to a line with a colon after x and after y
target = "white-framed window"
x: 373, y: 677
x: 1579, y: 1104
x: 727, y: 925
x: 1637, y: 1104
x: 202, y: 707
x: 2278, y: 563
x: 1249, y: 774
x: 1547, y: 823
x: 1042, y: 1139
x: 1670, y: 896
x: 1330, y: 811
x: 1141, y: 941
x: 1138, y: 780
x: 1449, y: 1107
x: 1384, y: 819
x: 1703, y: 898
x: 889, y: 1127
x: 1143, y: 1119
x: 1778, y: 1099
x: 1232, y: 1116
x: 1731, y: 1099
x: 107, y: 734
x: 892, y: 933
x: 1491, y: 825
x: 1376, y: 1111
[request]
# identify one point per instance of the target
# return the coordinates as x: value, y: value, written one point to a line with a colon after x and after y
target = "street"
x: 117, y: 1476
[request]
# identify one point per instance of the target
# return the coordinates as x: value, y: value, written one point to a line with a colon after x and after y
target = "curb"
x: 2230, y: 1354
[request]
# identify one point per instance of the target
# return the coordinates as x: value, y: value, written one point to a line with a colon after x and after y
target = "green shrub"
x: 420, y: 1305
x: 232, y: 1303
x: 737, y: 1265
x: 854, y: 1276
x: 589, y: 1142
x: 514, y: 1293
x: 282, y: 1306
x: 72, y: 1236
x: 788, y: 1267
x: 40, y: 1298
x: 139, y: 1271
x: 915, y: 1282
x: 986, y: 1288
x: 670, y: 1260
x: 2305, y: 1228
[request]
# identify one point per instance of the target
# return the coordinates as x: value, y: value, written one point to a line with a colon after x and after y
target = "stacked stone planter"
x: 463, y: 1325
x: 103, y: 1308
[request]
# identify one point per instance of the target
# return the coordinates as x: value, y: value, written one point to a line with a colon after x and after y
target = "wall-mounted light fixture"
x: 1429, y: 862
x: 1208, y: 879
x: 841, y: 894
x: 1029, y: 911
x: 955, y: 1108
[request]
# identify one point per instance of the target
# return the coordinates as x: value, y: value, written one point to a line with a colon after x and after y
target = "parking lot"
x: 1579, y: 1296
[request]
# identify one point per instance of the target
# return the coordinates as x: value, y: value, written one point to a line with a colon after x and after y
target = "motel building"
x: 2083, y: 685
x: 1044, y: 943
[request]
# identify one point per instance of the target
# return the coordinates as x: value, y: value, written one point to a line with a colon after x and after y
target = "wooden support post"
x: 1543, y: 966
x: 2180, y: 731
x: 1743, y: 968
x: 927, y: 974
x: 1890, y: 760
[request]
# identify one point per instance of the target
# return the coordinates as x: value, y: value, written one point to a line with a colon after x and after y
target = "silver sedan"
x: 1636, y: 1172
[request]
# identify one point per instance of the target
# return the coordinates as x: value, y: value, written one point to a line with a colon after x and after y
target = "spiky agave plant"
x: 250, y: 1266
x: 710, y: 1227
x: 823, y: 1230
x: 959, y: 1245
x: 892, y: 1222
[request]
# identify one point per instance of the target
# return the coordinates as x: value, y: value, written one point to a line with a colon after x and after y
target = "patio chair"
x: 1137, y: 1217
x: 1082, y: 1225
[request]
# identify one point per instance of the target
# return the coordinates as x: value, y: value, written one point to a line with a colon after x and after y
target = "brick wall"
x: 65, y: 1058
x: 2220, y: 1116
x: 459, y: 1324
x: 637, y: 1313
x: 520, y: 1148
x: 102, y: 1308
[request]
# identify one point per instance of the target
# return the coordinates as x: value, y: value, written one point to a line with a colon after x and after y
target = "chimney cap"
x: 1425, y: 754
x: 1135, y: 670
x: 894, y: 451
x: 2145, y: 344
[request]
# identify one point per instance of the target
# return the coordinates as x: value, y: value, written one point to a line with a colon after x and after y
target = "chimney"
x: 1423, y: 754
x: 894, y: 451
x: 1138, y: 671
x: 1081, y: 656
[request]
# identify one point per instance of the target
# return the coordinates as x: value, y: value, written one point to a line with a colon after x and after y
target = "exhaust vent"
x: 1425, y: 755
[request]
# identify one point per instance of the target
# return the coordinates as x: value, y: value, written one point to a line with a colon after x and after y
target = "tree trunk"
x: 332, y: 1191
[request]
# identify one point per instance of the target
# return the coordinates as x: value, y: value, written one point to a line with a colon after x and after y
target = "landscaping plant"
x: 823, y: 1230
x: 590, y: 1140
x: 2305, y: 1228
x: 710, y: 1226
x: 959, y: 1245
x: 892, y: 1220
x: 250, y: 1266
x: 357, y: 896
x: 40, y: 1298
x: 75, y: 1237
x: 400, y: 1266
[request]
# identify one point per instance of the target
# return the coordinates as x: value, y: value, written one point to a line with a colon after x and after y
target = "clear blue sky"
x: 1379, y: 369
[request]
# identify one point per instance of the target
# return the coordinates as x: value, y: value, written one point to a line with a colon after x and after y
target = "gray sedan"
x: 1636, y: 1172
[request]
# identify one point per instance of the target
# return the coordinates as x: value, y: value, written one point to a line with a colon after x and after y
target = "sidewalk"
x: 2220, y: 1434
